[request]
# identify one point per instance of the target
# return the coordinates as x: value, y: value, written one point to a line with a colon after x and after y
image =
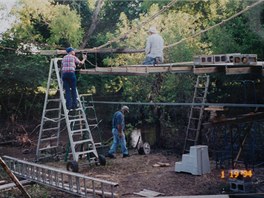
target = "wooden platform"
x: 183, y: 67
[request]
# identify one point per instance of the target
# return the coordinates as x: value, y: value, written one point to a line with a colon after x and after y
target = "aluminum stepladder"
x: 54, y: 112
x: 197, y: 112
x: 89, y: 109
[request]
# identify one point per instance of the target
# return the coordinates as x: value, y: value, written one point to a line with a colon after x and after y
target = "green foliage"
x: 41, y: 22
x: 235, y: 36
x: 65, y: 26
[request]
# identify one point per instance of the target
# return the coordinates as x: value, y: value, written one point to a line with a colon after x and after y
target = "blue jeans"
x: 152, y: 61
x: 116, y: 141
x: 69, y: 83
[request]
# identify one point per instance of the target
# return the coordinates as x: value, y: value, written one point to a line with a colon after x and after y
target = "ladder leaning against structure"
x: 81, y: 142
x: 196, y: 113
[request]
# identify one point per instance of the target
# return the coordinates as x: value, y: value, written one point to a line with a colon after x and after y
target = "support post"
x: 14, y: 178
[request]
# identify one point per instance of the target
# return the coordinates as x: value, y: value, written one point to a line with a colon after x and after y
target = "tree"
x: 41, y: 22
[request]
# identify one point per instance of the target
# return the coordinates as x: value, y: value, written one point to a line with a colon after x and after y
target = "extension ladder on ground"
x: 73, y: 183
x: 54, y: 113
x: 196, y: 113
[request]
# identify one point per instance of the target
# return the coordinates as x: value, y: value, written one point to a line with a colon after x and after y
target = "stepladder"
x: 92, y: 119
x: 197, y: 112
x: 56, y: 118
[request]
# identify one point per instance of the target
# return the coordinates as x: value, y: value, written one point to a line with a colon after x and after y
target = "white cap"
x: 125, y: 108
x: 152, y: 29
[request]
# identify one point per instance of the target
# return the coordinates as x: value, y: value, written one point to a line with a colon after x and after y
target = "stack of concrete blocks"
x: 235, y: 58
x: 196, y: 162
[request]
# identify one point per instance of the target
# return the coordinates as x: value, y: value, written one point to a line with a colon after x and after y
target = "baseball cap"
x: 125, y: 108
x: 69, y: 49
x: 152, y: 29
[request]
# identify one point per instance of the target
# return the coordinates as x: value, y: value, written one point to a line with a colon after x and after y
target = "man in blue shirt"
x: 118, y: 127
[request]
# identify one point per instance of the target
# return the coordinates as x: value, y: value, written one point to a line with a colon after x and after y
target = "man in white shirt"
x: 154, y: 48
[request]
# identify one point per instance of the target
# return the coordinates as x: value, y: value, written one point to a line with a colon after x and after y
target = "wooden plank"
x: 238, y: 70
x: 185, y: 69
x: 203, y: 70
x: 214, y: 108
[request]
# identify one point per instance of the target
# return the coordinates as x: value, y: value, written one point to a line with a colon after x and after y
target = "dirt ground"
x: 137, y: 172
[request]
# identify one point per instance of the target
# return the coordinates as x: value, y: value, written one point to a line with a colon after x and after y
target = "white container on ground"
x: 196, y: 162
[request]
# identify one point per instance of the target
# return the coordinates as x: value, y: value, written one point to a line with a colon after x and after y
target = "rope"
x: 139, y: 26
x: 216, y: 25
x: 158, y: 13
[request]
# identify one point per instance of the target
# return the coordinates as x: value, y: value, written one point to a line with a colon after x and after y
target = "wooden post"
x: 14, y: 178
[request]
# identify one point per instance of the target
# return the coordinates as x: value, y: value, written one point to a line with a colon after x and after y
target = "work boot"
x: 126, y: 155
x: 110, y: 156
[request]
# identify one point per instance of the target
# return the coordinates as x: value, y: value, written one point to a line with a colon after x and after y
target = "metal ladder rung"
x: 93, y: 125
x: 192, y: 129
x: 76, y: 120
x: 191, y: 140
x: 49, y: 138
x: 82, y: 141
x: 75, y: 116
x: 54, y: 109
x: 47, y: 148
x: 85, y: 152
x: 52, y: 119
x: 53, y: 100
x: 79, y: 130
x: 49, y: 129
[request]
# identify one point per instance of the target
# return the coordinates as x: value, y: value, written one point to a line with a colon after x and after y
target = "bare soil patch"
x: 137, y: 172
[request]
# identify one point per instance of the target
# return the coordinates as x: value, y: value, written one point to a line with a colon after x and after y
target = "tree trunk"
x: 157, y: 112
x: 94, y: 23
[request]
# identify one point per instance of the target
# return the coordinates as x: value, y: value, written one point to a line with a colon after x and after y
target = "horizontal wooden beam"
x: 238, y: 70
x: 137, y: 70
x: 89, y: 51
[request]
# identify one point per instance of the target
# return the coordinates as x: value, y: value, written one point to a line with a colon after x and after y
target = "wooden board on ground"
x: 148, y: 193
x: 161, y: 164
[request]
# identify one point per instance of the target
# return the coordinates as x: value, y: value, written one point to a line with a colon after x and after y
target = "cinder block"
x: 237, y: 185
x: 196, y: 162
x: 230, y: 57
x: 207, y: 59
x: 221, y: 58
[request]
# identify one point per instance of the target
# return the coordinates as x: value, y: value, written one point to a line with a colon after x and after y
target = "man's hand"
x: 120, y: 134
x: 84, y: 57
